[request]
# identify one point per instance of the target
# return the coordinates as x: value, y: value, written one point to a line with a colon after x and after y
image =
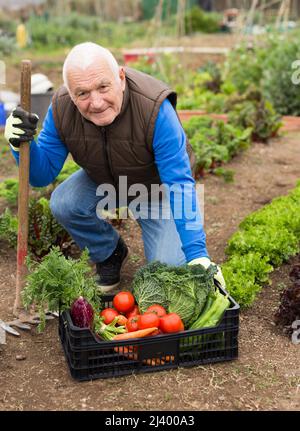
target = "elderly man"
x: 121, y: 127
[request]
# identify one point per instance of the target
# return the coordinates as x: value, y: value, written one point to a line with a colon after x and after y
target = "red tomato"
x: 134, y: 312
x: 171, y: 323
x: 148, y: 320
x: 132, y: 324
x: 123, y: 302
x: 109, y: 314
x: 157, y: 309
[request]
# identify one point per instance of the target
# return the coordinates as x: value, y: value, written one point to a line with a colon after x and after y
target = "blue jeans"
x: 74, y: 203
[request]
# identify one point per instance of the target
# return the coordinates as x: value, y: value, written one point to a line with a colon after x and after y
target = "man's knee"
x: 64, y: 204
x: 57, y: 204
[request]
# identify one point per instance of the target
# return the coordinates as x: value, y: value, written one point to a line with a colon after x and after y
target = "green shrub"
x: 9, y: 227
x: 277, y: 78
x: 197, y: 20
x: 194, y: 124
x: 267, y: 64
x: 9, y: 190
x: 253, y: 110
x: 214, y: 142
x: 244, y: 66
x: 44, y: 231
x: 8, y: 25
x: 7, y: 45
x: 69, y: 30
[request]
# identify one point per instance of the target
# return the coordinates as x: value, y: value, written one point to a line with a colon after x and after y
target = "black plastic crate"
x: 89, y: 357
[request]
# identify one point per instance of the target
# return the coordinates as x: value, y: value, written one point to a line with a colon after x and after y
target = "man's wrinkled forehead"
x: 99, y: 72
x: 99, y: 66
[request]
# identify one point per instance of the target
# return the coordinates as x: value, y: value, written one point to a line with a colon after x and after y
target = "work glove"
x: 206, y: 262
x: 20, y: 127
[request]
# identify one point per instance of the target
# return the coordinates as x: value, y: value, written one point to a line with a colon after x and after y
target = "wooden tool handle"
x: 23, y: 197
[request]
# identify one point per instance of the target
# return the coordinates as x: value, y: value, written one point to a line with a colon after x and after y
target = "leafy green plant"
x: 244, y: 66
x: 8, y: 25
x: 182, y: 290
x: 276, y: 81
x: 282, y: 213
x: 214, y: 142
x: 194, y: 124
x: 9, y: 190
x: 197, y: 20
x: 268, y: 65
x: 252, y: 110
x: 70, y: 29
x: 44, y: 231
x: 227, y: 174
x: 56, y: 282
x: 7, y: 45
x: 278, y: 246
x: 244, y: 275
x: 9, y: 227
x: 265, y: 239
x: 215, y: 82
x: 208, y: 152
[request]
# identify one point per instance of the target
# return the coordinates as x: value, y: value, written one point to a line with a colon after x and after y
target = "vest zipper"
x: 103, y: 131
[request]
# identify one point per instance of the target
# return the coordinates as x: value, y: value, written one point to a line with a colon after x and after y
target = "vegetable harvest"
x: 182, y: 290
x: 136, y: 334
x: 82, y: 313
x: 107, y: 332
x: 213, y: 312
x: 165, y: 299
x: 56, y: 282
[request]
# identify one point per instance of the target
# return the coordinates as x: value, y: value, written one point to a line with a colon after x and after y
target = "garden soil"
x: 266, y: 376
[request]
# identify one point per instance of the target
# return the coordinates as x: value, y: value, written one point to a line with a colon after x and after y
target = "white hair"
x: 85, y: 54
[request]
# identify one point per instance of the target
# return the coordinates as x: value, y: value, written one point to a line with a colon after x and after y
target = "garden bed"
x: 266, y: 375
x: 290, y: 123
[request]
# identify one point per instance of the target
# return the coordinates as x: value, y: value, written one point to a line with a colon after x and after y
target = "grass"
x: 7, y: 162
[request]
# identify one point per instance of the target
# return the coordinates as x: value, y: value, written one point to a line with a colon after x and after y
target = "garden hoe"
x: 22, y: 316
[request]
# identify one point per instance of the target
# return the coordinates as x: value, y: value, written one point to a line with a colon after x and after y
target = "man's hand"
x: 20, y: 127
x: 206, y: 262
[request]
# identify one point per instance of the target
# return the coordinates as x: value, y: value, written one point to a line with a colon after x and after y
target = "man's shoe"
x: 109, y: 270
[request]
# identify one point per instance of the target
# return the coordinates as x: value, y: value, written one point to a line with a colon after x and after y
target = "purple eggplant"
x: 82, y: 313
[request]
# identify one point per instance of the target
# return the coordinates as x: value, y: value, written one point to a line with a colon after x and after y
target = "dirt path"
x: 265, y: 377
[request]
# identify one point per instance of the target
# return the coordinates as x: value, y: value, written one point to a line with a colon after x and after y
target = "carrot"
x: 135, y: 334
x: 168, y: 358
x: 125, y: 349
x: 130, y: 353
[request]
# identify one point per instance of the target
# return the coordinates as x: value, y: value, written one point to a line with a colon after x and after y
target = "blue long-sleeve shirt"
x: 48, y: 154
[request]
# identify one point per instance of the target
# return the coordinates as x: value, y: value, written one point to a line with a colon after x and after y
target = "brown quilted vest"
x: 123, y: 148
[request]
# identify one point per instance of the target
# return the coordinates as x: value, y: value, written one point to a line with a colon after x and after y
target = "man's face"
x: 96, y: 92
